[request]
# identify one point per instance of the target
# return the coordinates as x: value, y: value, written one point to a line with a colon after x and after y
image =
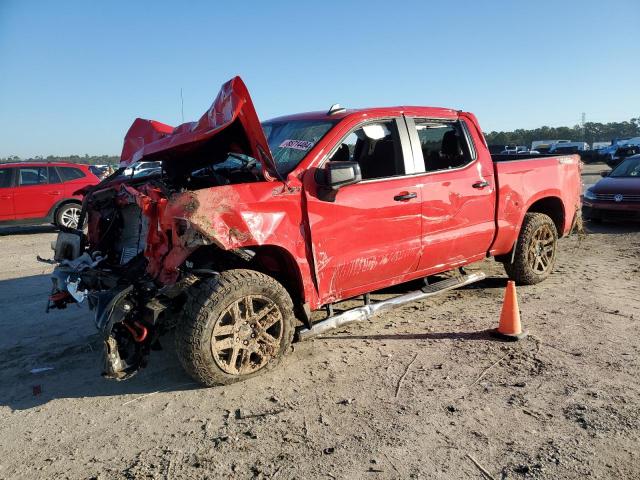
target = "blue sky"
x: 74, y: 75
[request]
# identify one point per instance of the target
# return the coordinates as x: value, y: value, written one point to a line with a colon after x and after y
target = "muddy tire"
x: 235, y: 326
x: 536, y: 250
x: 68, y: 215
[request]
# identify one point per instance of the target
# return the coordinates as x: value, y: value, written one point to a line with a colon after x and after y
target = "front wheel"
x: 236, y: 325
x: 536, y: 250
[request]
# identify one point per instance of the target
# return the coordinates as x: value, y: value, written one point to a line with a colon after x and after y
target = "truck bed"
x: 526, y: 181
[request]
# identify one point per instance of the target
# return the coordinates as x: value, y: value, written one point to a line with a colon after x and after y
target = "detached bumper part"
x: 114, y: 366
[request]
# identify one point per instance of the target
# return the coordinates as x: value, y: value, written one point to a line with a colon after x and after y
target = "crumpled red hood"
x: 148, y: 137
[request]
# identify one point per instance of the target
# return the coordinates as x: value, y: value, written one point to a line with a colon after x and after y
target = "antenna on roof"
x: 181, y: 105
x: 336, y: 108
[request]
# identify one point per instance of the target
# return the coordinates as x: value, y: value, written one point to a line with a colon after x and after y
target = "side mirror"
x: 605, y: 173
x: 339, y: 174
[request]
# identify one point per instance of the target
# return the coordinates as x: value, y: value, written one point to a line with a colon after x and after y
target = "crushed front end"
x: 127, y: 267
x: 133, y: 266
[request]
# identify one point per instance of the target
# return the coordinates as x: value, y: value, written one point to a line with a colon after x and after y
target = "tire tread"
x: 204, y: 300
x: 519, y: 270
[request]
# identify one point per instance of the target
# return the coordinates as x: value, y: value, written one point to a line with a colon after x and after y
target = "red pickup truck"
x: 250, y: 227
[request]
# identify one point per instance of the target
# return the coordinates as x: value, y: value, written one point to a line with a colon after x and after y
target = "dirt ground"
x: 414, y: 394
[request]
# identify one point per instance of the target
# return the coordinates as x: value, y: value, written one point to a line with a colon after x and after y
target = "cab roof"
x: 374, y: 112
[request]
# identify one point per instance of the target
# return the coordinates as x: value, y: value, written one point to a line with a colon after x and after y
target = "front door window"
x: 376, y: 147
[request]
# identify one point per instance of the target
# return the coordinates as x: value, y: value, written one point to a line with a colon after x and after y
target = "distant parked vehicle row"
x: 142, y: 169
x: 515, y: 150
x: 612, y: 154
x: 569, y: 148
x: 33, y: 193
x: 620, y: 154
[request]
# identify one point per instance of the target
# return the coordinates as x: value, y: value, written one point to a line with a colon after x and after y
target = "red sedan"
x: 33, y: 193
x: 617, y: 196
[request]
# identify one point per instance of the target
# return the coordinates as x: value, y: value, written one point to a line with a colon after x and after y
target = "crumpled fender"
x: 230, y: 217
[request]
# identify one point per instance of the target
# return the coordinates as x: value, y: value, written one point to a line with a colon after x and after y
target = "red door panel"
x: 458, y: 193
x: 365, y: 236
x: 6, y: 204
x: 458, y: 218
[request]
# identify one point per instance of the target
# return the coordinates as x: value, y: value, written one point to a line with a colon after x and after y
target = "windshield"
x: 290, y: 141
x: 628, y: 168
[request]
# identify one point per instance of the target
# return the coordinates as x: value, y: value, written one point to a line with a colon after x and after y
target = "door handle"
x: 480, y: 184
x: 405, y: 196
x: 54, y: 192
x: 5, y: 197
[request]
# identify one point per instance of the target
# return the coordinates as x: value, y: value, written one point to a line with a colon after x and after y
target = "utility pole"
x: 583, y: 120
x: 182, y: 105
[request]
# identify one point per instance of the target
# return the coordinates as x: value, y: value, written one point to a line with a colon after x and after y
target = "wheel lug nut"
x: 246, y: 342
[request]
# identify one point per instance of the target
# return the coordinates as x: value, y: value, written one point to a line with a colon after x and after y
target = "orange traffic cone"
x: 510, y: 328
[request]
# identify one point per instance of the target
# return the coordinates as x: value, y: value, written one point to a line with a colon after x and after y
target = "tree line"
x: 589, y: 132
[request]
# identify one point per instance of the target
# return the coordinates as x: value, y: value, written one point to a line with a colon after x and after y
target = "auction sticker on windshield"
x: 297, y: 144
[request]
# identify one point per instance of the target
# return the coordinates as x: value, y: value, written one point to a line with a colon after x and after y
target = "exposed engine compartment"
x: 130, y: 265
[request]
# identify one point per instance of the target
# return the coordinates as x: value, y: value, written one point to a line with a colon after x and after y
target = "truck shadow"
x: 488, y: 282
x: 484, y: 335
x: 65, y: 343
x: 27, y: 230
x: 612, y: 228
x: 77, y: 376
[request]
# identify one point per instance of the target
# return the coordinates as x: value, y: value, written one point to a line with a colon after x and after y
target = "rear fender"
x: 552, y: 206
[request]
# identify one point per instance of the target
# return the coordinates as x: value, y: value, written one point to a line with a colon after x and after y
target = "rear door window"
x: 443, y: 144
x: 70, y: 173
x: 28, y: 176
x: 5, y: 177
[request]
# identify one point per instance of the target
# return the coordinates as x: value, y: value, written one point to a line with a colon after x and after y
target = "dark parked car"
x: 617, y: 196
x: 622, y: 153
x: 99, y: 171
x: 33, y: 193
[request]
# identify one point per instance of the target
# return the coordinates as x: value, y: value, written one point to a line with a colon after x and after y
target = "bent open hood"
x: 148, y: 138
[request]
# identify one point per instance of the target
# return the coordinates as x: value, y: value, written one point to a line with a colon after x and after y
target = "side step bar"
x: 365, y: 312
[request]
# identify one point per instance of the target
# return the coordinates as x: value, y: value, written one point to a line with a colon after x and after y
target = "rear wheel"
x: 536, y: 249
x: 68, y: 215
x: 235, y: 326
